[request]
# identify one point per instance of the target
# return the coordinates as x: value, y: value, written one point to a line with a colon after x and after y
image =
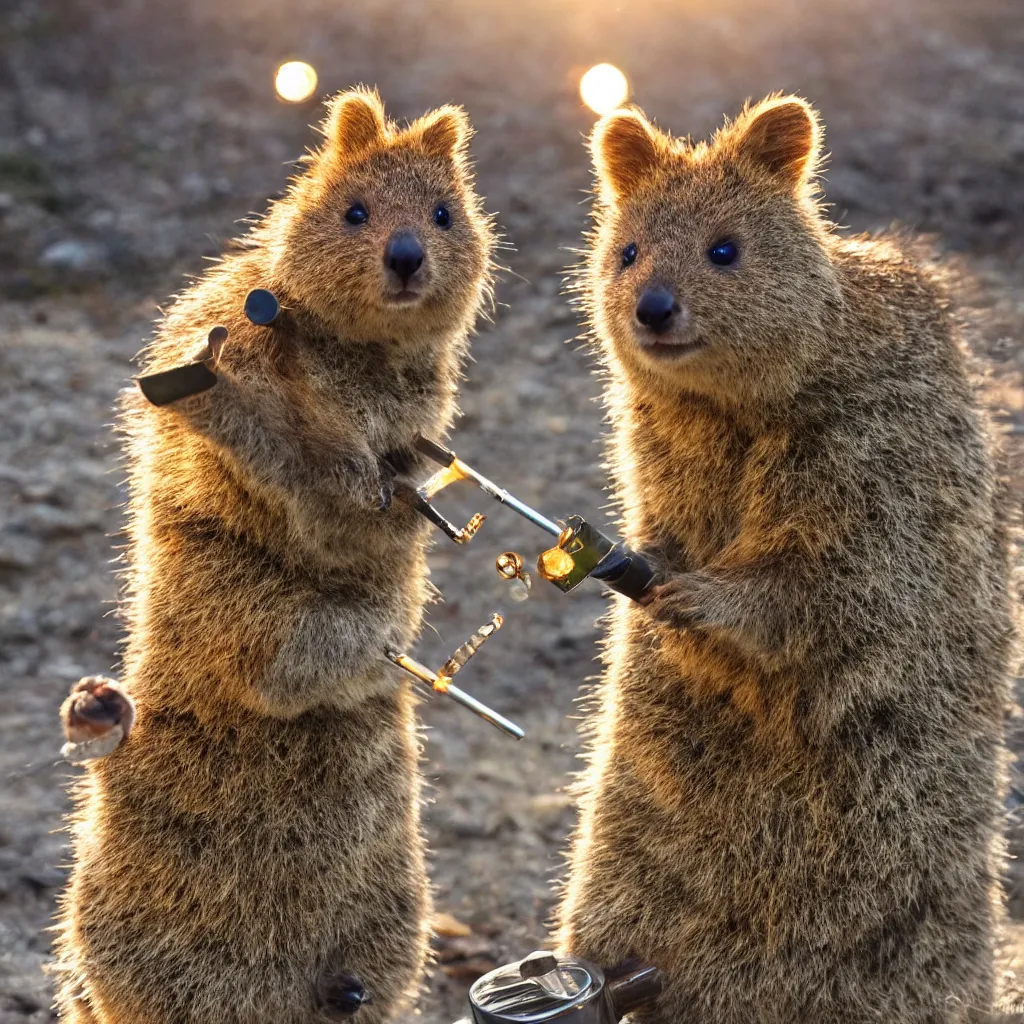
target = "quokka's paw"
x: 97, y: 717
x: 369, y: 480
x: 404, y: 461
x: 385, y: 489
x: 682, y: 602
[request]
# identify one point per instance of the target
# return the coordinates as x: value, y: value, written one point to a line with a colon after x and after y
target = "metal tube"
x: 456, y: 468
x: 443, y: 685
x: 413, y: 667
x: 501, y: 495
x: 499, y: 721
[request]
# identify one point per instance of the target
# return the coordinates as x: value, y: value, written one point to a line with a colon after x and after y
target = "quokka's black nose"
x: 656, y: 309
x: 404, y: 256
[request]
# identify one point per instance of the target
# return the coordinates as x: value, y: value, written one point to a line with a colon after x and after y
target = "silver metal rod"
x: 500, y: 494
x: 499, y: 721
x: 425, y: 675
x: 412, y: 666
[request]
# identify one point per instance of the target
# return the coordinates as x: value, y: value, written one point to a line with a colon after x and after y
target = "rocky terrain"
x: 135, y: 134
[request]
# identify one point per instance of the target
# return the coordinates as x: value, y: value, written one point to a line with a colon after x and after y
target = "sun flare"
x: 603, y: 88
x: 295, y: 81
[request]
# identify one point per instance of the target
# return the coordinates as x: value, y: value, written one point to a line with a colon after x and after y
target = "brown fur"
x: 793, y: 796
x: 259, y: 833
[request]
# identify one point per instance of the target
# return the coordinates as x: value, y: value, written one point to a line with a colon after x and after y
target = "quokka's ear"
x: 445, y: 132
x: 781, y: 136
x: 626, y: 150
x: 355, y: 122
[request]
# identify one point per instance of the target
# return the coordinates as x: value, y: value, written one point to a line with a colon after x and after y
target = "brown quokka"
x: 793, y: 793
x: 252, y: 851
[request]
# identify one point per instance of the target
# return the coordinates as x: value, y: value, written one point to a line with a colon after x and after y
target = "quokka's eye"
x: 723, y: 253
x: 357, y: 214
x: 442, y: 218
x: 629, y: 255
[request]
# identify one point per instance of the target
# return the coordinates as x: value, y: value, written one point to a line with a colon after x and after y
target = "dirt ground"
x: 134, y: 134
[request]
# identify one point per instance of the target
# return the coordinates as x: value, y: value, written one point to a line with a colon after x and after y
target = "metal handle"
x: 434, y: 451
x: 626, y: 572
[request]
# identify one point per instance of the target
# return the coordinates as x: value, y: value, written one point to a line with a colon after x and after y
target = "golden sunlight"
x: 295, y: 81
x: 603, y: 88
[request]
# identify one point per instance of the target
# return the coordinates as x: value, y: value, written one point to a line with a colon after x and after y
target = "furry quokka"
x: 254, y: 845
x: 792, y: 803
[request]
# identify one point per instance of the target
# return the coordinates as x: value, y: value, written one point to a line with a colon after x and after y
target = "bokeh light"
x: 295, y: 81
x: 603, y: 88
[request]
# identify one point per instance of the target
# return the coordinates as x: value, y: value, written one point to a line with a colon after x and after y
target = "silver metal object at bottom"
x: 544, y: 987
x: 443, y: 684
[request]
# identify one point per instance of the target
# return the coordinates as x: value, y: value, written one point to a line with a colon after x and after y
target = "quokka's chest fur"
x: 683, y: 471
x: 387, y: 393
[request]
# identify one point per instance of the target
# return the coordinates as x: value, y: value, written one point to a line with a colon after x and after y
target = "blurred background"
x: 135, y: 134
